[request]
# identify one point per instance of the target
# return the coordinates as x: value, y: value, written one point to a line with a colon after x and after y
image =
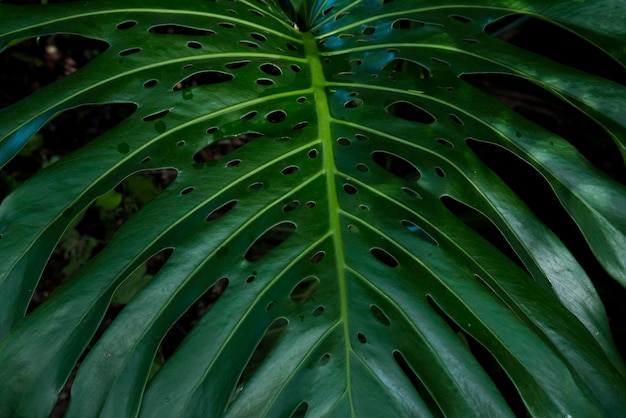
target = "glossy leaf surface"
x: 344, y: 241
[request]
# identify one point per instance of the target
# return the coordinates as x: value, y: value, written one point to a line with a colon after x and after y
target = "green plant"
x: 362, y: 253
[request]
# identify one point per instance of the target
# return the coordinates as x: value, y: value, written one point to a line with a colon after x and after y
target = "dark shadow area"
x: 535, y: 191
x: 546, y: 109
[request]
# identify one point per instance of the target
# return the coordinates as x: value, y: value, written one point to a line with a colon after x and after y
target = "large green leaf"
x: 353, y: 285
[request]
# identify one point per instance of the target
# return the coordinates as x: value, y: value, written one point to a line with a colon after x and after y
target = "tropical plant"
x: 364, y: 248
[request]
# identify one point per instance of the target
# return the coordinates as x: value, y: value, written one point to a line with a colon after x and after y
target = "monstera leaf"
x: 364, y: 254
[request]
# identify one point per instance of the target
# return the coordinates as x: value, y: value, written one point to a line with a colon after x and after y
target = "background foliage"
x: 390, y: 208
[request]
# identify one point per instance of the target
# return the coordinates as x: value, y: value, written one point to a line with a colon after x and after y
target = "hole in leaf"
x: 300, y: 411
x: 411, y: 226
x: 276, y: 116
x: 237, y: 64
x: 380, y: 315
x: 396, y: 165
x: 129, y: 51
x: 318, y: 311
x: 221, y: 211
x: 483, y: 226
x: 344, y: 141
x: 126, y: 25
x: 255, y: 187
x: 407, y: 67
x: 292, y: 169
x: 418, y: 384
x: 270, y: 305
x: 364, y: 207
x: 362, y: 167
x: 218, y: 149
x: 361, y: 137
x: 317, y: 257
x: 270, y: 338
x: 249, y: 115
x: 256, y: 13
x: 291, y: 47
x: 445, y: 142
x: 291, y: 206
x: 384, y: 257
x: 557, y: 116
x: 439, y: 61
x: 301, y: 99
x: 326, y: 11
x: 171, y: 29
x: 194, y: 45
x: 361, y: 338
x: 409, y: 111
x: 233, y: 163
x: 250, y: 279
x: 295, y: 68
x: 456, y: 119
x: 305, y: 290
x: 462, y: 19
x: 557, y: 43
x: 353, y: 228
x: 271, y: 69
x: 440, y: 172
x: 150, y: 83
x: 350, y: 189
x: 227, y: 25
x: 324, y: 359
x: 407, y: 24
x: 249, y: 43
x: 411, y: 193
x: 270, y: 239
x: 187, y: 190
x: 258, y: 37
x: 351, y: 104
x: 368, y: 30
x: 300, y: 125
x: 264, y: 82
x: 202, y: 78
x: 312, y: 154
x: 156, y: 115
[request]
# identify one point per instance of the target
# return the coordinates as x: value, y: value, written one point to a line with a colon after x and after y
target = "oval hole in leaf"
x: 300, y: 411
x: 126, y: 24
x: 407, y: 24
x: 270, y: 239
x: 380, y: 315
x: 194, y: 45
x: 350, y: 189
x: 362, y: 339
x: 410, y: 226
x: 129, y: 51
x: 291, y: 206
x: 384, y: 257
x: 318, y: 311
x: 418, y: 384
x: 270, y: 338
x: 202, y: 78
x: 155, y: 116
x: 407, y: 67
x: 271, y: 69
x: 304, y: 290
x: 237, y: 64
x: 258, y: 37
x: 462, y: 19
x: 317, y: 257
x: 249, y: 43
x: 276, y: 116
x: 409, y: 111
x: 292, y: 169
x: 324, y: 359
x: 221, y: 211
x: 264, y: 82
x: 396, y: 165
x: 171, y: 29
